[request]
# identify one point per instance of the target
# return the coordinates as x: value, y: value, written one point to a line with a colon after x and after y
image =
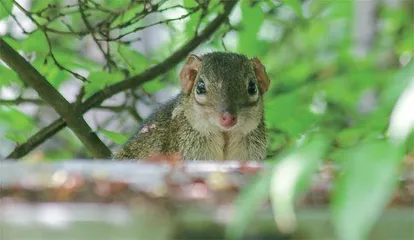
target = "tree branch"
x: 132, y: 82
x: 47, y: 92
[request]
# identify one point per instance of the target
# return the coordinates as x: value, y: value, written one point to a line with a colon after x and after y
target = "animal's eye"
x: 200, y: 87
x: 252, y: 89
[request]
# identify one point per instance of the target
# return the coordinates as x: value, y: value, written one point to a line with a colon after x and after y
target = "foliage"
x: 320, y: 84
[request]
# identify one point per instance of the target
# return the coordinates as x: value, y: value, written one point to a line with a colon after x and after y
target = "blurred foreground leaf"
x: 291, y: 177
x: 304, y: 158
x: 400, y: 81
x: 247, y: 204
x: 364, y: 188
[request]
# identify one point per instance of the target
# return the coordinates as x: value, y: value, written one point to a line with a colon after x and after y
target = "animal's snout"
x: 228, y: 120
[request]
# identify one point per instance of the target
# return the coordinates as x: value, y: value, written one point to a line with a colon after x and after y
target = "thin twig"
x: 50, y: 53
x: 90, y: 28
x: 20, y: 100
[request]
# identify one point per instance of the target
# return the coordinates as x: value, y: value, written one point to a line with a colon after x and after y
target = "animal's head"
x: 225, y: 91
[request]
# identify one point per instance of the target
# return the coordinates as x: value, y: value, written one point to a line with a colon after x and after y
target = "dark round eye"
x: 200, y: 87
x: 252, y: 89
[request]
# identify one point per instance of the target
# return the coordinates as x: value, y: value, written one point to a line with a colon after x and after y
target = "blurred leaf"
x: 295, y: 5
x: 56, y: 155
x: 292, y: 176
x: 276, y: 141
x: 14, y: 43
x: 398, y: 84
x: 127, y: 16
x: 252, y: 20
x: 70, y: 60
x: 17, y: 124
x: 298, y: 72
x: 339, y: 9
x: 14, y: 119
x: 153, y: 86
x: 36, y: 41
x: 5, y: 8
x: 115, y: 136
x: 56, y: 77
x: 118, y: 4
x: 401, y: 122
x: 99, y: 80
x: 18, y: 138
x: 349, y: 137
x: 364, y: 188
x: 136, y: 61
x: 50, y: 71
x: 41, y: 4
x: 247, y: 204
x: 313, y: 151
x: 290, y: 113
x: 8, y: 77
x: 405, y: 44
x: 191, y: 24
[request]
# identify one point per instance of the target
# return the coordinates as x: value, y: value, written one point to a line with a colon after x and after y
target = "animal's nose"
x: 228, y: 120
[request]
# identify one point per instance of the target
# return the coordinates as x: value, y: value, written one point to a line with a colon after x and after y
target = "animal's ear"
x: 189, y: 72
x: 261, y: 75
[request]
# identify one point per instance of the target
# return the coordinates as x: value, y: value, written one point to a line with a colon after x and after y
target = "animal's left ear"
x: 261, y: 75
x: 189, y: 72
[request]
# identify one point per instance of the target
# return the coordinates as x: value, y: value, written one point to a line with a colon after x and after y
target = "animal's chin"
x: 227, y: 129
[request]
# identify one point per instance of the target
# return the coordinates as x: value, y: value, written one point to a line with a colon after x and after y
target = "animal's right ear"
x: 261, y: 74
x: 189, y: 72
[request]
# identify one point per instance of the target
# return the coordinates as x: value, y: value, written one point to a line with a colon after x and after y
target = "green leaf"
x: 192, y: 21
x: 349, y: 137
x: 364, y: 188
x: 115, y: 136
x: 398, y: 84
x: 118, y: 4
x: 16, y: 44
x: 247, y: 204
x: 14, y: 119
x: 292, y: 176
x: 295, y: 5
x: 127, y: 16
x: 8, y: 77
x: 17, y: 125
x: 41, y: 4
x: 70, y: 60
x: 281, y: 112
x: 36, y: 42
x: 252, y: 20
x: 5, y: 8
x: 135, y: 61
x: 18, y: 138
x: 56, y: 155
x: 99, y: 80
x: 153, y: 86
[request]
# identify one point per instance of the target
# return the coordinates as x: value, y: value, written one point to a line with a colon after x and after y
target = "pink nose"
x: 227, y: 119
